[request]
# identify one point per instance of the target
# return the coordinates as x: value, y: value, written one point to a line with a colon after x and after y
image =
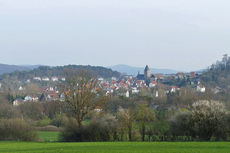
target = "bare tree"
x: 82, y: 95
x: 145, y: 115
x: 127, y: 118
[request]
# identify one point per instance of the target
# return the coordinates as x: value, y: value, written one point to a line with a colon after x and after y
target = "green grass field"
x: 49, y: 144
x: 115, y: 147
x: 48, y: 136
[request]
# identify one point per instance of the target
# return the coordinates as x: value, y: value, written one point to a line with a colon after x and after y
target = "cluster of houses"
x: 125, y: 86
x: 54, y: 79
x: 133, y: 85
x: 45, y: 94
x: 129, y: 84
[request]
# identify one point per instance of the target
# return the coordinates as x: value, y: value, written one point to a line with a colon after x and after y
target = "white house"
x: 100, y: 79
x: 62, y: 97
x: 17, y: 101
x: 181, y: 75
x: 127, y: 94
x: 157, y: 94
x: 107, y: 93
x: 140, y: 83
x: 200, y: 88
x: 35, y: 99
x: 217, y: 90
x: 28, y: 98
x: 45, y: 79
x: 114, y: 78
x: 37, y: 78
x: 54, y: 78
x: 20, y: 88
x: 135, y: 90
x: 98, y: 109
x: 63, y: 78
x: 173, y: 89
x: 153, y: 84
x: 51, y: 88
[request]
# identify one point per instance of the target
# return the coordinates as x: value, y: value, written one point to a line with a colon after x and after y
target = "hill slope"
x: 61, y: 71
x: 218, y: 75
x: 4, y: 68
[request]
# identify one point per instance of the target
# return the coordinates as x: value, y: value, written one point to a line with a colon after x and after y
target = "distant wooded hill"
x: 218, y: 75
x: 61, y: 71
x: 4, y: 68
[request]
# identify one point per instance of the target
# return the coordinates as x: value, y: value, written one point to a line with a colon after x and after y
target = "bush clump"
x: 59, y: 120
x: 45, y: 121
x: 98, y: 130
x: 207, y: 120
x: 16, y: 129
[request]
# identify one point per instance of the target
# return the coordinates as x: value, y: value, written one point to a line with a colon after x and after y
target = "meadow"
x: 48, y: 136
x: 115, y: 147
x: 49, y: 144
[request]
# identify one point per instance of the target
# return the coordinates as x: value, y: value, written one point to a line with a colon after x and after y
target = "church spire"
x: 147, y: 73
x: 147, y: 68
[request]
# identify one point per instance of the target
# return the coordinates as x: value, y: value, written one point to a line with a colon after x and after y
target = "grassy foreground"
x: 48, y: 136
x: 116, y: 147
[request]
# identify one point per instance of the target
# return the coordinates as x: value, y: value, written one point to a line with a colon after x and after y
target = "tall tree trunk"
x: 130, y: 133
x: 79, y: 123
x: 143, y: 132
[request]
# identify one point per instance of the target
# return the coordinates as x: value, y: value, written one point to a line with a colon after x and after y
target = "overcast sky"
x: 177, y: 34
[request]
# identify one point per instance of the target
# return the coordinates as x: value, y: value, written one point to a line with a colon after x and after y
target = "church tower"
x: 147, y: 73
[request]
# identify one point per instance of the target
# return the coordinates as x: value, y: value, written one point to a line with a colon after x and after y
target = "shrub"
x: 31, y: 110
x: 43, y: 122
x: 59, y: 120
x: 181, y: 125
x: 104, y: 129
x: 71, y: 130
x: 207, y: 120
x: 7, y: 111
x: 16, y: 129
x: 158, y: 129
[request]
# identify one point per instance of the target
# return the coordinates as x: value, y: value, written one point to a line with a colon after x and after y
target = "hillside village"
x: 125, y: 85
x: 133, y: 85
